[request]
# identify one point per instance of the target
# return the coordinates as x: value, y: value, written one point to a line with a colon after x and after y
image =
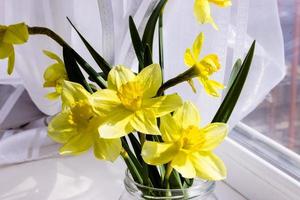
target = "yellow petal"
x: 155, y: 153
x: 59, y: 128
x: 169, y: 129
x: 118, y: 76
x: 202, y: 12
x: 5, y: 50
x: 117, y: 124
x: 105, y: 101
x: 191, y: 83
x: 212, y: 136
x: 145, y: 122
x: 209, y: 166
x: 78, y: 144
x: 11, y: 63
x: 73, y: 92
x: 189, y: 59
x: 150, y: 79
x: 187, y: 115
x: 221, y: 3
x: 54, y: 72
x: 107, y: 149
x: 52, y: 95
x: 16, y: 34
x: 211, y: 64
x: 184, y: 165
x: 211, y: 86
x: 197, y: 46
x: 163, y: 105
x: 53, y: 56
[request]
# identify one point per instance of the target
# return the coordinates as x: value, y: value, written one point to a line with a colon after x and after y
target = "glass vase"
x: 200, y: 190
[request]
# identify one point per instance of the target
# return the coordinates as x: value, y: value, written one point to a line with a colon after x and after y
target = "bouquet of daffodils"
x: 119, y: 112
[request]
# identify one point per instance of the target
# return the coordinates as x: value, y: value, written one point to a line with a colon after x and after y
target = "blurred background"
x: 278, y: 116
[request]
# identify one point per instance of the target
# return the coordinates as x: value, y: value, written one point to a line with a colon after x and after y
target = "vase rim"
x: 201, y: 184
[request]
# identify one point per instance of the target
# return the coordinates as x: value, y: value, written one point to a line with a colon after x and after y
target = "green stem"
x: 185, y: 76
x: 160, y: 42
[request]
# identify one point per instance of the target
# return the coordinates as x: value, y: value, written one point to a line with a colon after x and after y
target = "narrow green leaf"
x: 161, y: 43
x: 105, y: 67
x: 147, y: 56
x: 150, y: 26
x: 137, y: 43
x: 73, y: 70
x: 89, y: 70
x: 229, y: 102
x: 236, y: 67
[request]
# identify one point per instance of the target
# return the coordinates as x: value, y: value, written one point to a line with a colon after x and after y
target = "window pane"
x: 278, y: 116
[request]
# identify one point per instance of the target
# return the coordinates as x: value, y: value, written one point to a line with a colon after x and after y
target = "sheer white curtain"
x: 105, y: 24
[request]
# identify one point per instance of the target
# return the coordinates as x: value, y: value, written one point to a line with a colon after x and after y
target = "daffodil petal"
x: 184, y: 165
x: 213, y: 134
x: 59, y: 128
x: 52, y: 95
x: 54, y: 72
x: 117, y: 124
x: 169, y: 129
x: 197, y: 46
x: 73, y: 92
x: 118, y: 76
x: 221, y: 3
x: 53, y: 56
x: 78, y: 144
x: 208, y: 166
x: 11, y: 63
x: 211, y: 63
x: 189, y: 59
x: 187, y: 115
x: 151, y: 79
x: 155, y: 153
x: 145, y: 122
x: 5, y: 50
x: 107, y: 149
x: 202, y: 12
x: 16, y: 34
x: 163, y: 105
x: 211, y: 86
x: 105, y: 101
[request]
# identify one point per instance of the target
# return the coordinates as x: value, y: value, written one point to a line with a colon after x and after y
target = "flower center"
x: 82, y: 113
x: 131, y: 95
x: 191, y: 138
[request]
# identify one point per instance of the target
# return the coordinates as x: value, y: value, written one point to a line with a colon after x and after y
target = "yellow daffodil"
x: 54, y: 75
x: 186, y: 147
x: 202, y: 10
x: 130, y: 103
x: 77, y: 125
x: 205, y: 67
x: 10, y: 35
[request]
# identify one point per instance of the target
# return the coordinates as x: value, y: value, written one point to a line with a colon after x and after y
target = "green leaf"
x: 105, y: 67
x: 229, y: 102
x: 137, y: 43
x: 150, y: 26
x: 233, y: 74
x: 73, y: 70
x: 147, y: 56
x: 89, y: 70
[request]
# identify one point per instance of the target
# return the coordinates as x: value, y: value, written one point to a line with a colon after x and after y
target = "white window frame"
x: 254, y: 177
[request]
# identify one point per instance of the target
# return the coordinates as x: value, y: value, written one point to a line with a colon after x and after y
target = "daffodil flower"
x: 202, y: 10
x: 54, y: 75
x: 76, y: 127
x: 205, y: 67
x: 130, y: 103
x: 10, y: 35
x: 187, y: 147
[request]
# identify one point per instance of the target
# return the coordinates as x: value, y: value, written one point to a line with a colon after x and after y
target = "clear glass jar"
x: 201, y: 190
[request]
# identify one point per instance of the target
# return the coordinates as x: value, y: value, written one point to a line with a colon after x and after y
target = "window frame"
x: 254, y: 177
